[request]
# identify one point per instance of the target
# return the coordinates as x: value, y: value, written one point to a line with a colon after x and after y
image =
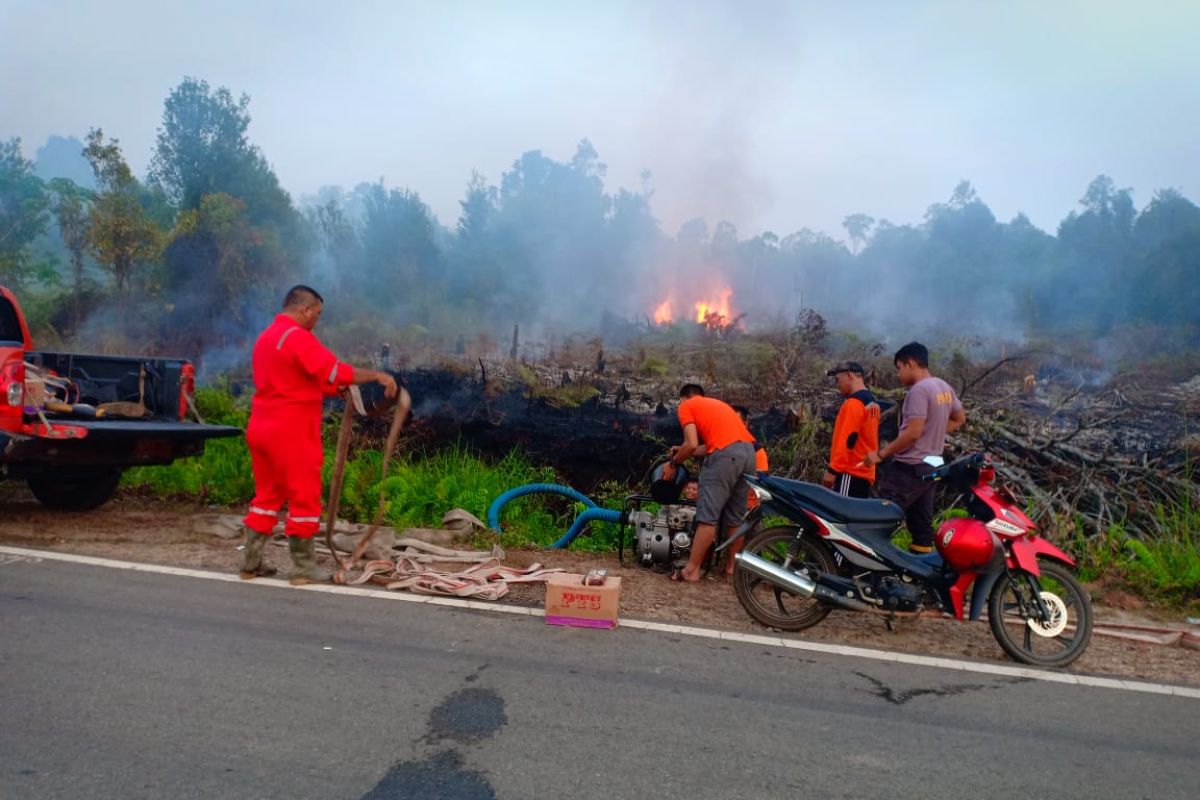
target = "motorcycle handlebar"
x: 969, y: 461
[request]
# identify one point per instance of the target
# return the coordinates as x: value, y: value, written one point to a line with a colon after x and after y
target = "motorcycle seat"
x: 832, y: 505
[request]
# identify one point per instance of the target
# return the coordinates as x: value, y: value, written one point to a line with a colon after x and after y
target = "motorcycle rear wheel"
x: 1053, y: 642
x: 772, y: 606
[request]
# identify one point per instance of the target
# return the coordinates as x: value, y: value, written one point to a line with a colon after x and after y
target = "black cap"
x: 846, y: 366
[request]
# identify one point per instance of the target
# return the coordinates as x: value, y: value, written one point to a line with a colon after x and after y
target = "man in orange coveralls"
x: 293, y: 372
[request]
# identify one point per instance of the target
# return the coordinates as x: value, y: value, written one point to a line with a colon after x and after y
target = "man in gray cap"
x: 855, y: 434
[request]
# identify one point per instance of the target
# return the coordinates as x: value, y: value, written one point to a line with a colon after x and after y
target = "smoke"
x: 697, y: 134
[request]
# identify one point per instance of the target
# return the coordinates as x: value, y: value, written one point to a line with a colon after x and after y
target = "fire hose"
x: 399, y: 414
x: 485, y: 578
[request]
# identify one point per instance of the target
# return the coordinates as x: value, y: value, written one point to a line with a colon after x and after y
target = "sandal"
x: 677, y: 576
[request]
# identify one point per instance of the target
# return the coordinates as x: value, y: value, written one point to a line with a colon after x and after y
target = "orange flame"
x: 706, y: 310
x: 662, y: 313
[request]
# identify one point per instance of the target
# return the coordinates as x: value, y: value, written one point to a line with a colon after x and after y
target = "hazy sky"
x: 775, y: 116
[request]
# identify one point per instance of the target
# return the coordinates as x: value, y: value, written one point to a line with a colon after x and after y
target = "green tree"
x: 404, y: 262
x: 1167, y: 270
x: 858, y: 226
x: 475, y: 271
x: 552, y: 229
x: 122, y: 236
x: 202, y: 149
x: 1092, y: 283
x: 478, y: 207
x: 24, y: 214
x: 72, y: 210
x: 338, y: 237
x: 214, y: 266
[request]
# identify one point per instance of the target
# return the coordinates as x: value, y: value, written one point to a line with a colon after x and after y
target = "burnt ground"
x: 175, y: 534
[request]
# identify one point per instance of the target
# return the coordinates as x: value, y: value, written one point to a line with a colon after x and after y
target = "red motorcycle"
x: 839, y: 554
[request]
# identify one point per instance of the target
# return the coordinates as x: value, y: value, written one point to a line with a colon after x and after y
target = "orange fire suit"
x: 293, y: 372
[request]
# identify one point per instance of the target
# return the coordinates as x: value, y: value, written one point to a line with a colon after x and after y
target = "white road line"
x: 17, y: 555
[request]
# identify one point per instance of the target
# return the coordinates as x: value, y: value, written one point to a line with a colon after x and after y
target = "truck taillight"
x: 12, y: 384
x: 187, y: 388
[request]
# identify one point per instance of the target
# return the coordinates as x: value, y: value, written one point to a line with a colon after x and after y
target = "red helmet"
x: 966, y: 544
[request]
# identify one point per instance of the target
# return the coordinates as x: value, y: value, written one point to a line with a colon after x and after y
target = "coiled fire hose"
x: 399, y: 415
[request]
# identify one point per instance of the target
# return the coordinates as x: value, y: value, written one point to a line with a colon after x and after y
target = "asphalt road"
x: 116, y: 684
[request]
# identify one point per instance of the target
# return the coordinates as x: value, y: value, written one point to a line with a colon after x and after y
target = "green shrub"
x: 1166, y: 565
x: 654, y: 365
x: 1163, y: 566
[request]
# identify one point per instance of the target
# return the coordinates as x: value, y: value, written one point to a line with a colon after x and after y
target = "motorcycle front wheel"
x: 770, y: 605
x: 1052, y: 633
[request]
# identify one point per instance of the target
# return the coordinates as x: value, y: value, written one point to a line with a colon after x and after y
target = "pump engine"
x: 665, y: 538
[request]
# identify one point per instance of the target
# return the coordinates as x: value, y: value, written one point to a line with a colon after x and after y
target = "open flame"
x: 663, y: 314
x: 714, y: 312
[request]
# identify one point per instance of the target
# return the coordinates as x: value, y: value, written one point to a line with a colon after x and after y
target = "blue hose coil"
x: 493, y: 515
x: 590, y: 514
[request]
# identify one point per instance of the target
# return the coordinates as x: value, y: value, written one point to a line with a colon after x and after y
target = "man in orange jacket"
x: 855, y: 433
x: 293, y: 373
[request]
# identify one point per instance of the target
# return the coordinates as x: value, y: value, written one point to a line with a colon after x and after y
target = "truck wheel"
x: 75, y: 490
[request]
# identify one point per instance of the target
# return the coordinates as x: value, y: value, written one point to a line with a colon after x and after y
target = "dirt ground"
x: 154, y: 531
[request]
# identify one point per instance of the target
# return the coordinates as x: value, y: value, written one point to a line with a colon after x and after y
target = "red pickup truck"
x: 70, y: 424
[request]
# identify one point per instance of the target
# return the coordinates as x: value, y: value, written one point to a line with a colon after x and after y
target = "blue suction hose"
x: 592, y: 513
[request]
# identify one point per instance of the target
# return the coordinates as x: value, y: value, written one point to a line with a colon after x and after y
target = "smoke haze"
x: 773, y: 116
x: 905, y: 169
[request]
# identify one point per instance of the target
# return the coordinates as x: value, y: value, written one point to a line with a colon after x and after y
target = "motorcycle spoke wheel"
x: 1052, y: 633
x: 774, y: 607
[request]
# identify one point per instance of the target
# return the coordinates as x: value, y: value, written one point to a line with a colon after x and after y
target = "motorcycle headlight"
x: 762, y: 494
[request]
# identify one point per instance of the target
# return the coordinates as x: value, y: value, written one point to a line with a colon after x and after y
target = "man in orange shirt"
x: 729, y: 456
x: 761, y: 464
x: 855, y: 433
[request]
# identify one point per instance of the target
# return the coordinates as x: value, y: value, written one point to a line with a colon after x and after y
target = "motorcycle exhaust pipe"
x: 798, y: 584
x: 776, y: 575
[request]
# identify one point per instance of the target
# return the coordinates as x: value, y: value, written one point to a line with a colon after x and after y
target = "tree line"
x: 194, y: 254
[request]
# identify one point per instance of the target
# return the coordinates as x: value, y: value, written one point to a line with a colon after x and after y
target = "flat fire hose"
x: 482, y: 575
x: 485, y: 578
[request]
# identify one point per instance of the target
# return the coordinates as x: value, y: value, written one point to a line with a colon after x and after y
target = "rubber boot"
x: 304, y: 560
x: 253, y: 566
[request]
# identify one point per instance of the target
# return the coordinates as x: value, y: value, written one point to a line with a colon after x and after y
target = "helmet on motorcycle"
x: 966, y: 544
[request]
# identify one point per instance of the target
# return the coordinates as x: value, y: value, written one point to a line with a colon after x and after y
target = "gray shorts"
x: 723, y: 486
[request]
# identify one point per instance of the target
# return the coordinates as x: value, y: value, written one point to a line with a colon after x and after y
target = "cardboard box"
x: 569, y: 602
